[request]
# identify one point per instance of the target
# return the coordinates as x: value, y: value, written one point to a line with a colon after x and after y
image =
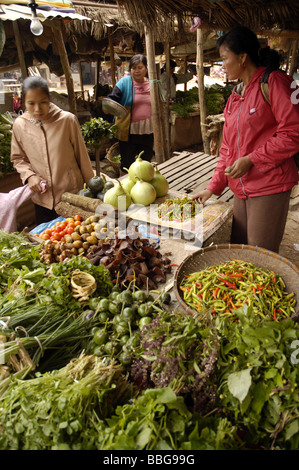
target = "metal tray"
x: 112, y: 107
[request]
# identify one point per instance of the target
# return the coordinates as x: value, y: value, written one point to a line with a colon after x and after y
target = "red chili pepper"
x: 228, y: 284
x: 215, y: 292
x: 174, y: 265
x: 235, y: 275
x: 274, y: 314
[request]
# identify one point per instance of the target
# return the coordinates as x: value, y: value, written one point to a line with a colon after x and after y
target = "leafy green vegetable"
x: 216, y: 97
x: 97, y: 129
x: 62, y: 409
x: 258, y: 388
x: 159, y: 420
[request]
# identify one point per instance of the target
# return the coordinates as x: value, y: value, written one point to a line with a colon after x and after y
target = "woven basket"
x: 112, y: 151
x: 214, y: 255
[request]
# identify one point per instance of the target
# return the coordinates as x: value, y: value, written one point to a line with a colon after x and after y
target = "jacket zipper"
x: 238, y: 144
x: 43, y: 130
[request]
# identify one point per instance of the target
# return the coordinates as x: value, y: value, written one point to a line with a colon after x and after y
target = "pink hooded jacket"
x: 55, y: 151
x: 269, y: 135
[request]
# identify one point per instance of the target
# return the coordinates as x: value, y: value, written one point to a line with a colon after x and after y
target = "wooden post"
x: 152, y: 74
x: 81, y: 79
x: 166, y: 105
x: 20, y: 49
x: 96, y: 94
x: 58, y: 38
x: 112, y: 61
x: 201, y: 89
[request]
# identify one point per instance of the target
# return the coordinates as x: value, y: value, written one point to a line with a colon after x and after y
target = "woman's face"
x: 37, y: 103
x: 232, y: 63
x: 138, y: 72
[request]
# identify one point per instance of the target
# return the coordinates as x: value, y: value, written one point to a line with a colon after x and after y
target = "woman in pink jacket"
x: 47, y: 146
x: 259, y: 142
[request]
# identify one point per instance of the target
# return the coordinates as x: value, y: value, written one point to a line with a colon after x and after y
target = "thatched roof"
x: 259, y: 15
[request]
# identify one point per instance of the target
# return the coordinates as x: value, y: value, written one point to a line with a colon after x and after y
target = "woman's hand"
x: 239, y: 168
x: 34, y: 184
x: 202, y: 196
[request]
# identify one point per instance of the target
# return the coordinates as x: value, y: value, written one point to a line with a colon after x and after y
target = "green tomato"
x: 122, y: 328
x: 114, y: 308
x: 165, y: 298
x: 99, y: 351
x: 128, y: 314
x: 127, y: 297
x: 139, y: 295
x: 103, y: 316
x: 124, y: 340
x: 124, y: 359
x: 93, y: 303
x: 113, y: 295
x: 143, y: 310
x: 101, y: 337
x: 134, y: 341
x: 144, y: 321
x: 103, y: 305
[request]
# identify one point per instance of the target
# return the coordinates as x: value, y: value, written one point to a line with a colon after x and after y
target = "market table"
x: 191, y: 171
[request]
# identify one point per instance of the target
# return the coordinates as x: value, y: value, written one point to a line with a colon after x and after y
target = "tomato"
x: 77, y: 217
x: 57, y: 236
x: 48, y: 231
x: 45, y: 236
x: 69, y: 230
x: 77, y: 223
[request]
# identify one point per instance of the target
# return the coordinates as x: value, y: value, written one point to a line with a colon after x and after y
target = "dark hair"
x: 31, y: 83
x: 136, y: 59
x: 241, y: 39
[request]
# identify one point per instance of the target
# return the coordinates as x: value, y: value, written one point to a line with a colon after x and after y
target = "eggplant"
x: 87, y: 192
x: 96, y: 184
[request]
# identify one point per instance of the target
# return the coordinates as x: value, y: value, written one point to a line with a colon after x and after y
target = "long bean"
x: 228, y: 286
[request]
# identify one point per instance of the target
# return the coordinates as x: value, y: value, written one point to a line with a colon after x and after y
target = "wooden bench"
x: 194, y: 170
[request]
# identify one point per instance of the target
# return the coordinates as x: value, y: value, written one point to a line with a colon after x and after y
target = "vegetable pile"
x: 123, y: 370
x: 120, y: 318
x: 97, y: 129
x: 74, y: 236
x: 129, y: 259
x: 175, y: 351
x: 6, y: 123
x: 216, y: 97
x: 61, y: 408
x: 226, y: 287
x: 178, y: 209
x: 143, y: 185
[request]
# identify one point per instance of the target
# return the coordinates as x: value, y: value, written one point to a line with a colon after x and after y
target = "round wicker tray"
x: 214, y: 255
x: 112, y: 151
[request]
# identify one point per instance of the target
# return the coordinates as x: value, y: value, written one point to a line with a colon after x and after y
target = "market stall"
x: 115, y: 336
